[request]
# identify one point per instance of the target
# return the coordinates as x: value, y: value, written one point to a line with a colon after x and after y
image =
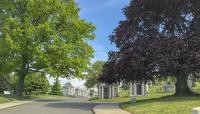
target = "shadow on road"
x: 72, y: 105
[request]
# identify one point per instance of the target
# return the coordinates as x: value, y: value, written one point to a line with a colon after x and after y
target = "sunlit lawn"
x: 127, y: 99
x: 117, y: 99
x: 160, y: 103
x: 157, y: 103
x: 163, y: 105
x: 50, y: 97
x: 4, y: 99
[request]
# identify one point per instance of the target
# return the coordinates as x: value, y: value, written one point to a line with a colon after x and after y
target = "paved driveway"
x: 72, y: 106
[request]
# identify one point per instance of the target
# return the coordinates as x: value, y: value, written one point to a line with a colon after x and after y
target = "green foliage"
x: 56, y: 88
x: 156, y: 89
x: 3, y: 100
x: 43, y: 36
x: 196, y: 88
x: 4, y: 83
x: 13, y: 82
x: 124, y: 93
x: 36, y: 84
x: 158, y: 38
x: 125, y: 86
x: 93, y: 73
x: 8, y: 82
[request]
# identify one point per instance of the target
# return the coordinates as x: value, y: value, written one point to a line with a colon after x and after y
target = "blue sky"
x: 105, y: 15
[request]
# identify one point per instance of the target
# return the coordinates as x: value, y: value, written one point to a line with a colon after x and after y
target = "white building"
x: 68, y: 90
x: 107, y: 91
x: 81, y: 92
x: 139, y: 88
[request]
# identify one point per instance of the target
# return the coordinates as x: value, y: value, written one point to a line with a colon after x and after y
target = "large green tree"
x: 94, y: 72
x: 43, y: 36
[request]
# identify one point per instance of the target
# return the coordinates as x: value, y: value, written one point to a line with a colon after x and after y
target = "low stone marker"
x: 133, y: 99
x: 196, y: 110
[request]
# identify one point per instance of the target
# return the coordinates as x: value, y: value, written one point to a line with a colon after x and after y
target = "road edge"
x: 14, y: 104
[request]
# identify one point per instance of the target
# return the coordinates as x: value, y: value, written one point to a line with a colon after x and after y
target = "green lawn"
x: 164, y: 105
x: 127, y: 99
x: 50, y: 97
x: 3, y: 99
x: 158, y: 102
x: 117, y: 99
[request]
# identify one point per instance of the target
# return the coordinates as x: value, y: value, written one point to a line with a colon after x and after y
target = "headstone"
x: 168, y: 88
x: 133, y: 99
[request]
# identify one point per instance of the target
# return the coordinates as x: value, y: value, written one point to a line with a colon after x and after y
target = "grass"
x: 117, y: 99
x: 4, y: 99
x: 127, y: 99
x: 50, y: 97
x: 161, y: 103
x: 158, y: 102
x: 164, y: 105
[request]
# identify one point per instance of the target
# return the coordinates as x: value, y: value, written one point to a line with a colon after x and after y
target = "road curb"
x: 14, y: 103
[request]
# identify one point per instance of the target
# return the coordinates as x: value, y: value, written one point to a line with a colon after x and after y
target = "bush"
x: 196, y: 88
x: 124, y: 93
x: 36, y: 84
x: 56, y: 88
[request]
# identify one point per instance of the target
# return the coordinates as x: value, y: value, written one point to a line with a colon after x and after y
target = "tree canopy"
x: 93, y: 73
x: 158, y: 38
x: 43, y: 36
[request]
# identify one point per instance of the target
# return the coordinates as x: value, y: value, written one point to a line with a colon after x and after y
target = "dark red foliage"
x: 158, y: 38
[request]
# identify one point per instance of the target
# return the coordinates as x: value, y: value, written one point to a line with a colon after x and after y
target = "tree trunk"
x: 20, y: 85
x: 182, y: 88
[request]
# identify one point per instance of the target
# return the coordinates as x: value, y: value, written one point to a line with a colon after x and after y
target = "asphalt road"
x: 71, y: 106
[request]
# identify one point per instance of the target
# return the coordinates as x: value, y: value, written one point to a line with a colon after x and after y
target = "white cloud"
x: 75, y: 82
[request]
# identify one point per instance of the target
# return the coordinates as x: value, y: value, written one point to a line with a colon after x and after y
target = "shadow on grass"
x: 169, y: 98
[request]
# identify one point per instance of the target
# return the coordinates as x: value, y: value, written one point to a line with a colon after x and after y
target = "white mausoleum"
x: 68, y: 90
x: 107, y: 91
x: 139, y: 88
